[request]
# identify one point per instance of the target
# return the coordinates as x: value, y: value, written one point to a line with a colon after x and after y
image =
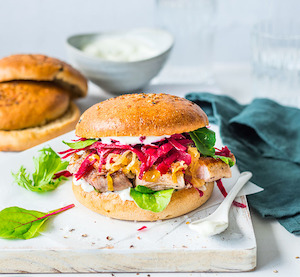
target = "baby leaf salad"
x: 152, y: 160
x: 50, y: 170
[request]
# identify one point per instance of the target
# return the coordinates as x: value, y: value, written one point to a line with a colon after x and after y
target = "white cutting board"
x: 164, y: 246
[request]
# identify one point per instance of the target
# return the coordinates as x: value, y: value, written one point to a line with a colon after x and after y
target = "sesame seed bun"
x: 37, y: 67
x: 25, y: 104
x: 18, y: 140
x: 141, y: 115
x: 111, y: 205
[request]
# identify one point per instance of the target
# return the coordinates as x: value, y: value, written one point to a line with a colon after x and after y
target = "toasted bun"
x: 26, y: 104
x: 18, y: 140
x: 42, y: 68
x: 111, y: 205
x: 141, y: 115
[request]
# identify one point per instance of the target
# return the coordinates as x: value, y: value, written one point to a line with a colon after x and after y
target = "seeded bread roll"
x: 110, y: 204
x: 35, y: 93
x: 141, y: 115
x: 37, y: 67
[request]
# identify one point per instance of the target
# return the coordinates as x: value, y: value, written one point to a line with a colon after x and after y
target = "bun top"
x: 36, y: 67
x: 141, y: 115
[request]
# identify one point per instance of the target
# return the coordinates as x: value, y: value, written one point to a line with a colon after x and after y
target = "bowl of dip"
x: 120, y: 62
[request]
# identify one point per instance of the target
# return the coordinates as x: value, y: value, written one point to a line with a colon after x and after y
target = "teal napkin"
x: 265, y: 138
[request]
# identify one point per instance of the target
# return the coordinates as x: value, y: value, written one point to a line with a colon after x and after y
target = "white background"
x: 42, y: 26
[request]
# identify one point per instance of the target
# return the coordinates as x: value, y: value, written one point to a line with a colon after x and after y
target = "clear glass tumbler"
x: 192, y: 24
x: 276, y: 61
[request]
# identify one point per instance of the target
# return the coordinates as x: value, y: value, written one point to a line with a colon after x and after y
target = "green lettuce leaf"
x: 46, y: 165
x: 80, y: 144
x: 226, y: 160
x: 147, y: 199
x: 144, y: 189
x: 204, y: 140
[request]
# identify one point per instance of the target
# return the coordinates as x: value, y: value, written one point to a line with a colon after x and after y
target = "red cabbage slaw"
x: 162, y: 153
x: 223, y: 152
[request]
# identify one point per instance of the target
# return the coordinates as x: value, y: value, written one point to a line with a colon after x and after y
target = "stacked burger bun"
x: 36, y: 100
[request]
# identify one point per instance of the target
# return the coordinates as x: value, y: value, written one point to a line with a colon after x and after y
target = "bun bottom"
x: 19, y: 140
x: 111, y: 205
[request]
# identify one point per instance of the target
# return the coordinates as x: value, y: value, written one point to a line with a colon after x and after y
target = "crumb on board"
x: 275, y: 271
x: 138, y: 238
x: 109, y: 238
x: 65, y: 237
x: 72, y: 230
x: 84, y: 235
x: 187, y: 222
x: 184, y: 246
x: 297, y: 257
x: 131, y: 246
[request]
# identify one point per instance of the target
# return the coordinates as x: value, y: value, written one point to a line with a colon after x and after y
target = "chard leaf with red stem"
x: 19, y: 223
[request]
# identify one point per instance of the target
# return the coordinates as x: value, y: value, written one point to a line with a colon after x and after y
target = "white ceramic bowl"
x: 120, y: 77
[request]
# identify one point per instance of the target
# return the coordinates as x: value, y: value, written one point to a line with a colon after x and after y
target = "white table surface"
x: 277, y: 249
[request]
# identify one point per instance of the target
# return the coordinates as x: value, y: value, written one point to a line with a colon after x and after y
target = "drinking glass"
x: 192, y: 24
x: 276, y: 60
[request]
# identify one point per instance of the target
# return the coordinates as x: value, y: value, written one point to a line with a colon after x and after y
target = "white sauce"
x: 133, y: 140
x: 120, y: 48
x: 124, y: 194
x: 209, y: 228
x: 84, y: 185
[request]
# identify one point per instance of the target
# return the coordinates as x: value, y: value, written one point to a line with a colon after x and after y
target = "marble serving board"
x: 80, y: 240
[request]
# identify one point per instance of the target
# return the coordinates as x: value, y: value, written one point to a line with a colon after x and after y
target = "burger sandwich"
x: 145, y: 157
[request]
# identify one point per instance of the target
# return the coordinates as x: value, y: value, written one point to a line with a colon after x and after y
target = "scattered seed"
x: 275, y: 271
x: 109, y: 238
x: 187, y: 222
x: 184, y: 246
x: 84, y: 235
x: 65, y: 237
x: 297, y: 257
x: 72, y: 230
x: 138, y: 238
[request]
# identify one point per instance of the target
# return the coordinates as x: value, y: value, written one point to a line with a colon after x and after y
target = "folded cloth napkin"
x: 265, y: 138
